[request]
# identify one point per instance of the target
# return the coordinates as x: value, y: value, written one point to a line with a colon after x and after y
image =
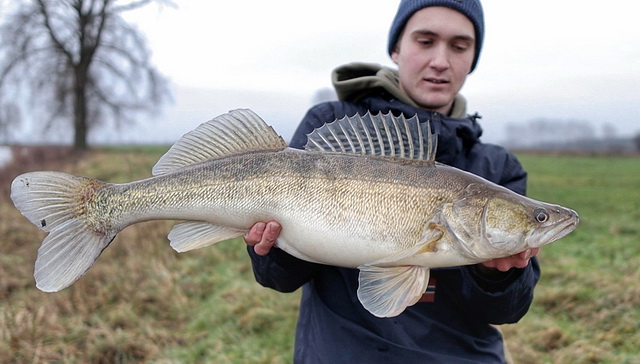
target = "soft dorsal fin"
x: 378, y: 135
x: 238, y: 131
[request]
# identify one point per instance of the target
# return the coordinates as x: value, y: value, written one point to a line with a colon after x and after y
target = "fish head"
x: 494, y: 222
x: 516, y: 223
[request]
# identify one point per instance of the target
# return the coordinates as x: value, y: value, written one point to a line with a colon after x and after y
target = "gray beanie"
x: 472, y: 9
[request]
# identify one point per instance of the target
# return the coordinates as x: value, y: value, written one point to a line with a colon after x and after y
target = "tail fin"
x: 54, y: 202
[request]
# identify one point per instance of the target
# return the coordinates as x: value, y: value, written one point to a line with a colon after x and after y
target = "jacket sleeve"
x: 281, y: 271
x: 501, y: 301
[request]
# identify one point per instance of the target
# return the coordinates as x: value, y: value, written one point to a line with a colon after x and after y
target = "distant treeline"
x: 577, y: 135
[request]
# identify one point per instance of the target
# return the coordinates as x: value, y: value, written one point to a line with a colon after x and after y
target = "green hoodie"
x: 353, y: 81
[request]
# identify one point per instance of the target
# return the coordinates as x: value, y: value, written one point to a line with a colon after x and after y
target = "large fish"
x: 366, y: 193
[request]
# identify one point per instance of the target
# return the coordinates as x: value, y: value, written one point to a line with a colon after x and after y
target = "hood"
x: 357, y: 80
x: 376, y: 87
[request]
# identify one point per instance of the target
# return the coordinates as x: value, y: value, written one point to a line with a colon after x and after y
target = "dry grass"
x: 141, y: 301
x: 127, y: 308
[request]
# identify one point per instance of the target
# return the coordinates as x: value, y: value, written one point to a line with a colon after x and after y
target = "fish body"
x: 366, y: 193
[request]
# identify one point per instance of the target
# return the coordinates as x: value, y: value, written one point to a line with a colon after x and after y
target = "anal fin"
x: 198, y: 234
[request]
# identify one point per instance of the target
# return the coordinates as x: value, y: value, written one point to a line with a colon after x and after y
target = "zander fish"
x: 366, y: 193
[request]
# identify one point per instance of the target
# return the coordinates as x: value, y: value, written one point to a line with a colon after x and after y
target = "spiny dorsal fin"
x: 238, y: 131
x: 378, y: 135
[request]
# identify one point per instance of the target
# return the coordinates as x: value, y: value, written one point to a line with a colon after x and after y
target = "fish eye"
x: 541, y: 215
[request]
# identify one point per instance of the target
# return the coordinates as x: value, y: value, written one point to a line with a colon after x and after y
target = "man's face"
x: 434, y: 55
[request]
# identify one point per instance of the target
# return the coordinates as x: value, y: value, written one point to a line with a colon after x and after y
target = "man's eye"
x: 460, y: 47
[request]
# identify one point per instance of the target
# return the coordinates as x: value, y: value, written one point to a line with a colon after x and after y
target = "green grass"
x: 587, y: 304
x: 237, y: 321
x: 142, y: 302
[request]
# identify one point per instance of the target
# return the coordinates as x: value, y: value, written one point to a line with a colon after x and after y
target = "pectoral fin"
x: 197, y: 234
x: 387, y: 291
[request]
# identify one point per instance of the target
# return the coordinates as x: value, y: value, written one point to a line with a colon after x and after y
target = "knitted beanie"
x: 472, y: 9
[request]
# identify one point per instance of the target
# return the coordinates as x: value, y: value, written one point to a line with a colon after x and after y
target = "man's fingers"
x: 519, y: 260
x: 263, y: 236
x: 529, y: 253
x: 254, y: 235
x: 271, y: 232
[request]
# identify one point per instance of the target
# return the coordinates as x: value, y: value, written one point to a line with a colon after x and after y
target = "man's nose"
x: 440, y: 58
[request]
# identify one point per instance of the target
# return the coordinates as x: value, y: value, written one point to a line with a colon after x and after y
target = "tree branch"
x: 47, y: 23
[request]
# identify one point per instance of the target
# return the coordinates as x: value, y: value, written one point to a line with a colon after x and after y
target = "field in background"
x: 587, y: 304
x: 142, y: 302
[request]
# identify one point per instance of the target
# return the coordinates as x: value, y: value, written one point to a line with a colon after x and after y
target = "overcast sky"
x: 568, y: 59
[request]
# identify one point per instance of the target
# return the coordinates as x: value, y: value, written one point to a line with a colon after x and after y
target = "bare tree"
x: 80, y: 61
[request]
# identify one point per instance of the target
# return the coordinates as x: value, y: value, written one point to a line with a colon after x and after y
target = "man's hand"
x: 262, y: 236
x: 520, y: 260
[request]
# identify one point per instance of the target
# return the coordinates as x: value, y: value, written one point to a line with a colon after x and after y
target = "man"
x: 435, y: 44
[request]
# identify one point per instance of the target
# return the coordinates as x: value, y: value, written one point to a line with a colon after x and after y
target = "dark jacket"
x: 455, y: 327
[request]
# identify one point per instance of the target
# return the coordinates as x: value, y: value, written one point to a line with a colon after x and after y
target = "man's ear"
x: 394, y: 54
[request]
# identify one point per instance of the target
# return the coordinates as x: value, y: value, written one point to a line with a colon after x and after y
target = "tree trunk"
x: 80, y: 111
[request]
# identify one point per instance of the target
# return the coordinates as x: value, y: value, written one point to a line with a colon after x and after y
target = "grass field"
x: 142, y: 302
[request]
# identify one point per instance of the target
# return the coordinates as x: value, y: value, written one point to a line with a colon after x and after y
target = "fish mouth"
x: 554, y: 232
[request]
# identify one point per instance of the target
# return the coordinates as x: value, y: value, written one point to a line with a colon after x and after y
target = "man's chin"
x: 436, y: 105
